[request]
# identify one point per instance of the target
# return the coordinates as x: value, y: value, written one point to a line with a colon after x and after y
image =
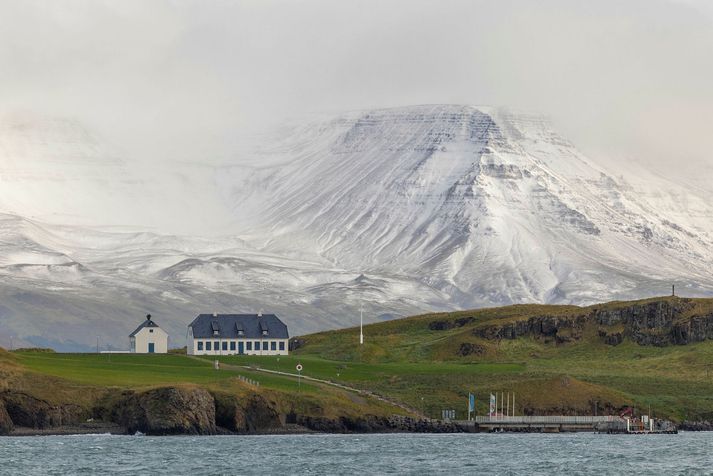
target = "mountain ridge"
x: 438, y: 207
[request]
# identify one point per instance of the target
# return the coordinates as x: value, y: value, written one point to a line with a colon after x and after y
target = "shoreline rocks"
x: 165, y: 411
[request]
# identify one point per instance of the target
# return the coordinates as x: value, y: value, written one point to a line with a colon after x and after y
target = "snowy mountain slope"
x: 404, y: 210
x: 487, y: 205
x: 64, y: 285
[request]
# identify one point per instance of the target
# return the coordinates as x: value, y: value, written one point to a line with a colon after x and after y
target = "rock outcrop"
x: 166, y: 411
x: 6, y: 425
x: 373, y: 424
x: 659, y: 323
x: 28, y: 411
x: 468, y: 348
x: 254, y: 414
x: 446, y: 324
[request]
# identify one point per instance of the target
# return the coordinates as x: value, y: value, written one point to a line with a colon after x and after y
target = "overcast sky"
x: 183, y: 79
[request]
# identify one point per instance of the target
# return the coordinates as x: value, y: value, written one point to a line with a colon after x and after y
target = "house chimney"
x: 215, y: 314
x: 259, y: 313
x: 148, y: 317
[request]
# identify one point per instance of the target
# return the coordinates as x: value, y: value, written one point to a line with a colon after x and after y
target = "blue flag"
x: 471, y: 402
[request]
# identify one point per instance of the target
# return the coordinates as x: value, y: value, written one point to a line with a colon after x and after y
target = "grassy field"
x: 409, y: 361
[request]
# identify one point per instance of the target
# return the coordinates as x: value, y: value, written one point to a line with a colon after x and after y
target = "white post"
x: 513, y: 403
x: 361, y: 325
x: 507, y: 405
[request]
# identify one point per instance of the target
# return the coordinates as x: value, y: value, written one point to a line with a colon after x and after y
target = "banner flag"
x: 471, y: 402
x: 492, y: 405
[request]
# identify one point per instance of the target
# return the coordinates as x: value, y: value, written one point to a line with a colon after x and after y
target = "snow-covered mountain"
x: 404, y: 210
x: 486, y: 205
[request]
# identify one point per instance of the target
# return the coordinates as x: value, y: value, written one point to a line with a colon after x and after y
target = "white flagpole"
x: 513, y: 403
x: 361, y: 324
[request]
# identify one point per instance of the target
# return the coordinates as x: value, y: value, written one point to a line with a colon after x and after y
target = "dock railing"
x: 544, y: 420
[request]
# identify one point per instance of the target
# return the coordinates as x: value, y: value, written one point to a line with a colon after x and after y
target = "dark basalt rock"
x: 445, y: 325
x: 166, y: 411
x: 657, y: 323
x: 374, y: 424
x: 696, y: 426
x: 468, y: 348
x: 251, y: 415
x: 26, y: 410
x: 6, y: 425
x: 295, y: 343
x: 614, y: 339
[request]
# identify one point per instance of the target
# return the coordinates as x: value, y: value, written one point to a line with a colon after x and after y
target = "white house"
x: 231, y: 334
x: 149, y: 338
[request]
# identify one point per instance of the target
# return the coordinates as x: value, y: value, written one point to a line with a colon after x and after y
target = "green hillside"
x: 421, y: 360
x: 651, y: 354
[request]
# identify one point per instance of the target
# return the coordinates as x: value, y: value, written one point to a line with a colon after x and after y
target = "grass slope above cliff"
x: 555, y: 358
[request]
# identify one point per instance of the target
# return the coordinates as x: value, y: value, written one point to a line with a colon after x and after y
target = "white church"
x: 149, y: 338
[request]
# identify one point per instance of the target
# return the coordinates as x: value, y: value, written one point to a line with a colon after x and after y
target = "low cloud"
x: 184, y: 80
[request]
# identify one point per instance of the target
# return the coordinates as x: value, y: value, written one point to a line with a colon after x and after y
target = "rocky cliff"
x: 655, y: 322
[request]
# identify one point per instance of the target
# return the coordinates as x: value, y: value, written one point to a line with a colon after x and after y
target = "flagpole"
x: 361, y: 324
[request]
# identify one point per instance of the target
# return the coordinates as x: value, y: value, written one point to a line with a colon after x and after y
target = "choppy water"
x: 575, y: 454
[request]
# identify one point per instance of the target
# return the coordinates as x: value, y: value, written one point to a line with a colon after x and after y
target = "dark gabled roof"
x: 146, y: 323
x: 228, y: 326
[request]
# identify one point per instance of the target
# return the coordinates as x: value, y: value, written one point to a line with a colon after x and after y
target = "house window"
x: 151, y: 331
x: 273, y: 345
x: 200, y: 345
x: 249, y: 345
x: 282, y: 345
x: 257, y: 345
x: 216, y: 345
x: 225, y: 345
x: 207, y: 345
x: 232, y: 345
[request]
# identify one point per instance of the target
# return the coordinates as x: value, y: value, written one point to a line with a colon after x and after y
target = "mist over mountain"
x: 404, y: 210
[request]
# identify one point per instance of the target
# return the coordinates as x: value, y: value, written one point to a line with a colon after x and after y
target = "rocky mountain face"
x: 403, y: 210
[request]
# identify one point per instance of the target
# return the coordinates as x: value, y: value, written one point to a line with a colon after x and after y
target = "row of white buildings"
x: 218, y: 334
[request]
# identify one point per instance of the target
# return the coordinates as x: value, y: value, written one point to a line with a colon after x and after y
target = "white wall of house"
x: 140, y: 342
x: 199, y: 346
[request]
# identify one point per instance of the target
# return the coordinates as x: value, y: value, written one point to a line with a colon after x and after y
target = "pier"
x: 562, y: 423
x: 543, y: 424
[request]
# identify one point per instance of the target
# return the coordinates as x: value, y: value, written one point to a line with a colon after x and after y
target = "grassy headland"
x: 555, y: 359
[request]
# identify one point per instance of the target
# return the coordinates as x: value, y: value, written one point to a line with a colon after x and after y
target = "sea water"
x: 571, y: 454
